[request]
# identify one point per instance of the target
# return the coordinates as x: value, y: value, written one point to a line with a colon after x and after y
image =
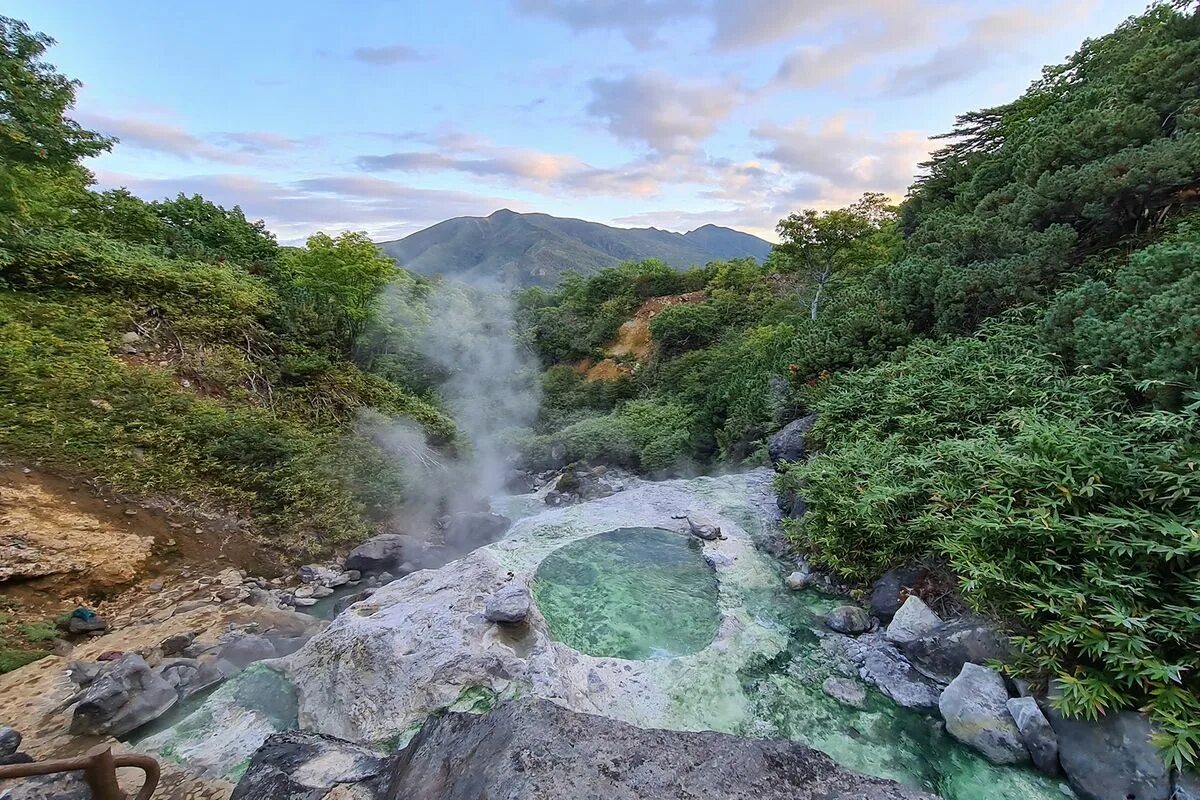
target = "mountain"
x: 536, y: 249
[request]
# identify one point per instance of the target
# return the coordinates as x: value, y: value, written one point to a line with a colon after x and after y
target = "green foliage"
x: 641, y: 434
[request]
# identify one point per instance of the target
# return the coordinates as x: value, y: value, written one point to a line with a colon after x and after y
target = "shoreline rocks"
x: 975, y: 707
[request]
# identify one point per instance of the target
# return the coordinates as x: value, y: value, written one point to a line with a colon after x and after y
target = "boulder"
x: 317, y: 573
x: 510, y: 603
x: 882, y: 665
x: 703, y: 529
x: 125, y: 696
x: 243, y: 650
x: 10, y: 740
x: 189, y: 675
x: 465, y: 531
x: 845, y: 691
x: 848, y: 619
x: 1187, y: 786
x: 790, y: 443
x: 174, y: 645
x: 889, y: 592
x: 1036, y: 733
x: 300, y: 765
x: 1111, y: 758
x: 535, y: 750
x: 92, y: 624
x: 376, y: 554
x: 799, y: 579
x: 913, y: 620
x: 941, y: 653
x: 975, y: 707
x: 342, y: 603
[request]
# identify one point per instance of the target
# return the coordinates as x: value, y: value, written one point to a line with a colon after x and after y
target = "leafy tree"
x: 826, y: 245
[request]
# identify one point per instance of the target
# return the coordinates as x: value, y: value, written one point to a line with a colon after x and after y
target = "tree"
x: 824, y: 245
x: 36, y: 140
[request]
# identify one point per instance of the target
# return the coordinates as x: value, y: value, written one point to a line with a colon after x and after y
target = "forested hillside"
x: 1005, y: 369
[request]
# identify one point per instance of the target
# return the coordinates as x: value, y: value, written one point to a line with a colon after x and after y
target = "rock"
x: 174, y: 645
x: 845, y: 691
x: 340, y: 579
x: 790, y: 443
x: 890, y: 591
x: 465, y: 531
x: 885, y: 667
x: 230, y: 576
x: 124, y: 697
x: 14, y: 758
x: 941, y: 653
x: 304, y: 602
x: 242, y: 651
x: 376, y: 554
x: 352, y: 575
x: 975, y: 707
x: 303, y: 591
x: 83, y: 673
x: 342, y: 603
x: 1187, y: 786
x: 56, y: 786
x: 155, y: 587
x: 10, y: 740
x: 93, y: 625
x: 848, y: 619
x: 510, y: 603
x: 913, y: 620
x: 264, y: 598
x: 316, y: 573
x: 189, y: 675
x: 535, y: 750
x: 1112, y: 758
x: 1036, y: 733
x: 704, y: 530
x: 130, y: 337
x: 299, y: 765
x: 800, y: 579
x: 321, y: 591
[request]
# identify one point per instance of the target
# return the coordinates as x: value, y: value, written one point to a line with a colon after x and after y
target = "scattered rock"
x: 975, y: 707
x: 303, y: 591
x: 1112, y: 758
x: 242, y: 651
x: 342, y: 603
x: 155, y: 587
x: 174, y: 645
x: 941, y: 653
x: 848, y: 619
x: 316, y: 573
x: 91, y: 624
x: 510, y: 603
x: 124, y: 697
x: 703, y: 530
x: 131, y: 512
x: 890, y: 591
x: 800, y: 579
x: 299, y: 765
x: 130, y: 337
x: 303, y: 602
x: 10, y: 740
x: 790, y: 443
x: 465, y: 531
x: 845, y: 691
x: 376, y: 554
x: 189, y: 675
x: 1036, y: 733
x: 913, y: 620
x: 321, y: 591
x: 885, y: 667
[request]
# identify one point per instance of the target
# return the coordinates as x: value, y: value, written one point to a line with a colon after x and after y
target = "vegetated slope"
x: 515, y: 250
x: 1006, y: 372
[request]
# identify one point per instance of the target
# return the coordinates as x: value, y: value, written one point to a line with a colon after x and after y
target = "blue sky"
x: 390, y: 116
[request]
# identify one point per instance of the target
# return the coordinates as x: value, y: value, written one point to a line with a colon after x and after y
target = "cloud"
x: 387, y: 56
x: 653, y: 108
x: 238, y: 147
x: 638, y: 21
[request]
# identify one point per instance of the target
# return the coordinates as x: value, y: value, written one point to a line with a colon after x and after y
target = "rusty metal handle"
x: 99, y: 769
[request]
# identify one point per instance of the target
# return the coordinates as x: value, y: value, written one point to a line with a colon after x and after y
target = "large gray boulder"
x: 941, y: 653
x: 465, y: 531
x: 1112, y: 758
x: 975, y: 707
x: 889, y: 592
x: 377, y: 554
x: 535, y: 750
x: 509, y: 603
x: 882, y: 665
x: 912, y: 621
x: 10, y: 740
x: 300, y: 765
x: 189, y: 675
x: 1036, y: 733
x: 242, y: 650
x: 790, y: 443
x: 125, y: 696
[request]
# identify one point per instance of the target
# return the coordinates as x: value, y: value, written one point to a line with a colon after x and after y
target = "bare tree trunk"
x: 815, y: 301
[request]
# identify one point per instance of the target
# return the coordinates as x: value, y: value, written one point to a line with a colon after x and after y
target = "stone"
x: 189, y: 675
x: 14, y: 758
x: 508, y: 604
x: 889, y: 592
x: 1111, y: 758
x: 882, y: 665
x: 303, y: 591
x: 913, y: 620
x: 83, y: 673
x: 315, y: 573
x: 845, y: 691
x: 174, y: 645
x: 465, y: 531
x: 790, y: 443
x: 243, y: 650
x: 342, y: 603
x: 264, y: 598
x: 129, y: 337
x: 94, y: 624
x: 352, y: 575
x: 1036, y: 733
x: 1187, y: 786
x: 56, y: 786
x: 300, y: 765
x: 975, y: 707
x: 304, y: 602
x: 155, y: 587
x: 941, y: 653
x: 799, y: 579
x: 124, y: 697
x: 321, y: 591
x: 535, y: 750
x: 848, y: 619
x: 10, y: 740
x: 704, y: 530
x: 376, y: 554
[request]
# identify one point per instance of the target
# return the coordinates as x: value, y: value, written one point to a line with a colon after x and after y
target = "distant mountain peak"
x: 513, y: 249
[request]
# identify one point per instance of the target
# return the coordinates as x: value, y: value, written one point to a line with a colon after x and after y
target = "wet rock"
x: 465, y: 531
x: 242, y: 651
x: 941, y: 653
x: 299, y: 765
x: 1187, y: 786
x: 1036, y: 733
x: 1112, y: 758
x: 316, y: 573
x: 321, y: 591
x: 124, y: 697
x: 799, y: 579
x: 263, y: 598
x: 508, y: 604
x: 890, y: 591
x: 975, y: 707
x: 881, y: 664
x: 189, y: 675
x: 376, y: 554
x: 342, y: 603
x: 845, y: 691
x: 536, y: 750
x: 790, y: 443
x: 848, y: 619
x: 913, y: 620
x: 10, y: 740
x: 703, y: 529
x: 303, y: 602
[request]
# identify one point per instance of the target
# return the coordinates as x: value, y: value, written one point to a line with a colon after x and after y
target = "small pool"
x: 635, y: 593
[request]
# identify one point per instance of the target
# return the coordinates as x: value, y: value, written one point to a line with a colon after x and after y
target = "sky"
x: 389, y: 116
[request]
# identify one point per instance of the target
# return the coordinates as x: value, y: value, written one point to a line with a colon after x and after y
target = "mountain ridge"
x: 515, y: 249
